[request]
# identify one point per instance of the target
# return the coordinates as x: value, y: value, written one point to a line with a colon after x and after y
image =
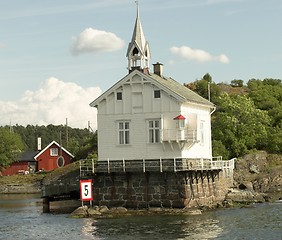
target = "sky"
x: 57, y: 56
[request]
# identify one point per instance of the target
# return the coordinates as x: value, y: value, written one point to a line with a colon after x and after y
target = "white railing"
x: 91, y: 166
x: 178, y: 135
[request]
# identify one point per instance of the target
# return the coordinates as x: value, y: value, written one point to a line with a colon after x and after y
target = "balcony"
x: 183, y: 137
x: 178, y: 135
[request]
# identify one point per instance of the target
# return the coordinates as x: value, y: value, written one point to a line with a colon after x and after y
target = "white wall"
x: 138, y: 106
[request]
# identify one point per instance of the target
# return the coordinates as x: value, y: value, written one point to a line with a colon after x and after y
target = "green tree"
x: 11, y: 146
x: 267, y: 95
x: 239, y: 125
x: 205, y: 88
x: 237, y: 83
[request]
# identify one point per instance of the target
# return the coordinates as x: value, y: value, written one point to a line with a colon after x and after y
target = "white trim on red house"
x: 49, y: 145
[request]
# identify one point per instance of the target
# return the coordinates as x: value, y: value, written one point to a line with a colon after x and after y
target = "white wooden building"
x: 146, y: 115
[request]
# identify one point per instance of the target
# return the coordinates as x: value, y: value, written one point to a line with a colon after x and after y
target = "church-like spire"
x: 138, y: 52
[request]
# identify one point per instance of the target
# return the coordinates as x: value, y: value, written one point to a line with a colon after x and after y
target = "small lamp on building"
x: 180, y: 124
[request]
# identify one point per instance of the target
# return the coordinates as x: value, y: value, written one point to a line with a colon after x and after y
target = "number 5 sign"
x: 86, y: 190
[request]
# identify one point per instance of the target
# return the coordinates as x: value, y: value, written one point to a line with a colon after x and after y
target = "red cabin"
x: 51, y: 157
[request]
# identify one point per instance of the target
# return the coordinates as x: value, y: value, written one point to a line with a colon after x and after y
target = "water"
x: 21, y: 217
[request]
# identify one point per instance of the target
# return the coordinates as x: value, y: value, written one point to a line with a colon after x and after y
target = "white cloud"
x: 52, y: 104
x: 93, y: 40
x: 197, y: 55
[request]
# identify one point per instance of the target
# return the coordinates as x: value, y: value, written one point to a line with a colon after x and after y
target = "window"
x: 202, y: 132
x: 123, y: 132
x: 154, y: 131
x: 157, y: 94
x: 119, y: 95
x: 60, y: 161
x: 54, y: 152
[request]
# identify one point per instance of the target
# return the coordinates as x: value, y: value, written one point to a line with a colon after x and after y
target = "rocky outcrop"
x: 105, y: 212
x: 244, y: 196
x: 257, y: 178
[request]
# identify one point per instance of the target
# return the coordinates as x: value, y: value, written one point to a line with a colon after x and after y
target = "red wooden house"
x: 26, y: 163
x: 48, y: 159
x: 53, y: 156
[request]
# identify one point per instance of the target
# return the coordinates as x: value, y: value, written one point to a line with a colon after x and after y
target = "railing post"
x: 144, y: 167
x: 123, y: 164
x: 93, y: 166
x: 108, y: 160
x: 174, y: 164
x: 161, y: 165
x: 202, y: 163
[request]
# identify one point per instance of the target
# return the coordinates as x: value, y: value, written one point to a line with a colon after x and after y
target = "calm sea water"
x: 21, y: 217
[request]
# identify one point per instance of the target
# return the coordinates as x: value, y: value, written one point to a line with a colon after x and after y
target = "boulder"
x: 244, y: 196
x: 103, y: 209
x: 253, y: 169
x: 118, y: 210
x: 94, y: 212
x: 80, y: 212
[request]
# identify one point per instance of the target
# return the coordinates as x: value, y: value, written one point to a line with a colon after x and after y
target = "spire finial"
x: 137, y: 5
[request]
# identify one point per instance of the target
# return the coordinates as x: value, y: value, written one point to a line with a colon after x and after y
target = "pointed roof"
x: 138, y: 37
x: 179, y: 117
x: 50, y: 144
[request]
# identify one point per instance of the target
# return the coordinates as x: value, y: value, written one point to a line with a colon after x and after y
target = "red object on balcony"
x: 179, y: 117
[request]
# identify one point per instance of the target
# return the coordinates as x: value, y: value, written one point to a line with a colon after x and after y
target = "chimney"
x: 39, y: 143
x: 158, y: 69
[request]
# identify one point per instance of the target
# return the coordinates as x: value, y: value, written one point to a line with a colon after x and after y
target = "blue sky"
x: 52, y: 56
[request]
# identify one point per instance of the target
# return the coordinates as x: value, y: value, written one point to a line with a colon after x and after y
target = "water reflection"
x: 156, y: 227
x: 21, y: 217
x: 202, y: 228
x: 19, y: 201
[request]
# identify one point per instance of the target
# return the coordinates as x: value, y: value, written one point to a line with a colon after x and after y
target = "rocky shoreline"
x: 257, y: 179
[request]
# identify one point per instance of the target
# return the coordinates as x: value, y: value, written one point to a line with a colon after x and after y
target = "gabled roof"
x: 179, y: 117
x: 181, y: 90
x: 48, y: 146
x: 170, y: 86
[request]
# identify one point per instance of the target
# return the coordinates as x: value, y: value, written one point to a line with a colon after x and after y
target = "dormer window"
x: 157, y: 94
x: 119, y: 95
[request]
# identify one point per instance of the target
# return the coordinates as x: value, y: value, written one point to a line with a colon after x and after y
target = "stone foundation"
x: 160, y: 189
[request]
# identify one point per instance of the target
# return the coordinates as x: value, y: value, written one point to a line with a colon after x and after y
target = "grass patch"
x: 22, y: 179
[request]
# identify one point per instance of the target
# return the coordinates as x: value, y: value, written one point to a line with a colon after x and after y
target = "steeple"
x: 138, y: 52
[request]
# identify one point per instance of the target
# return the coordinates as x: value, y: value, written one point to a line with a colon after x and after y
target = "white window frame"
x: 123, y: 132
x: 154, y: 130
x: 54, y: 152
